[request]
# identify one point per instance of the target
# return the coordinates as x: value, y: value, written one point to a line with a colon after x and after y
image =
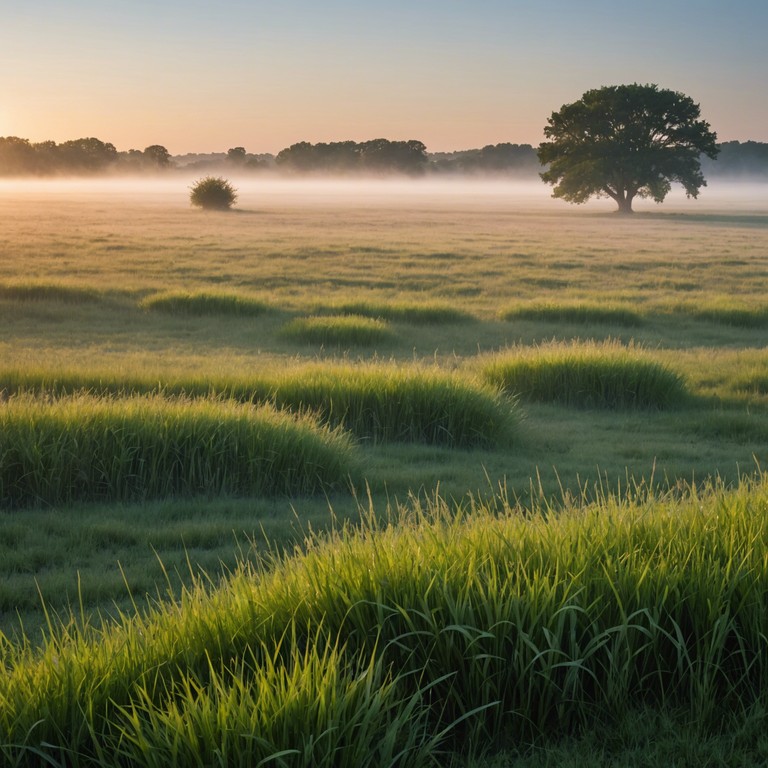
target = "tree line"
x: 87, y: 156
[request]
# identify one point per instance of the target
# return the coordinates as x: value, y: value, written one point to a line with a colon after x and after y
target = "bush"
x: 213, y: 193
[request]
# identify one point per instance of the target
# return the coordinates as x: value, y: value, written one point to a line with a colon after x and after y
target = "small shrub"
x: 213, y: 193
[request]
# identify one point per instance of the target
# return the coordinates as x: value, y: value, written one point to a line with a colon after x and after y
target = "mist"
x: 263, y: 192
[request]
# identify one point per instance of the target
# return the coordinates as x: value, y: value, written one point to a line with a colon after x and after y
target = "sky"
x: 204, y: 76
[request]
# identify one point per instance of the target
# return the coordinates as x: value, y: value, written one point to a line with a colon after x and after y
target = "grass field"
x: 455, y: 347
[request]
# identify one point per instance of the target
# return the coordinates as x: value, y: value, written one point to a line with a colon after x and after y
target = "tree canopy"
x: 626, y: 141
x: 375, y: 156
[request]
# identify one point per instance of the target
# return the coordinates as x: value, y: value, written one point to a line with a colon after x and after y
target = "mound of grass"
x: 499, y: 624
x: 739, y: 316
x: 582, y: 313
x: 65, y: 294
x: 390, y: 403
x: 377, y: 403
x: 338, y: 330
x: 201, y: 303
x: 88, y: 449
x: 429, y: 313
x: 587, y: 375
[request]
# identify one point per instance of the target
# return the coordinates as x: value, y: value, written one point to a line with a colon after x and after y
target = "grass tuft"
x: 377, y: 403
x: 338, y: 330
x: 83, y: 448
x: 588, y: 375
x: 428, y: 313
x: 203, y: 303
x: 582, y: 313
x: 738, y: 316
x: 56, y: 292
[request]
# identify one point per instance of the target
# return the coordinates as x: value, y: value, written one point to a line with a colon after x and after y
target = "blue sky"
x: 205, y: 76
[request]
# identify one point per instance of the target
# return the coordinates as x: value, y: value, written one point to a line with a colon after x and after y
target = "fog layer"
x: 262, y: 193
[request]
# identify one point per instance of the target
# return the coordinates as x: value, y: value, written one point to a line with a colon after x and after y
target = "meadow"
x: 361, y: 448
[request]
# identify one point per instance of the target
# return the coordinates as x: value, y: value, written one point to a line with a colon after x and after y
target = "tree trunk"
x: 625, y: 205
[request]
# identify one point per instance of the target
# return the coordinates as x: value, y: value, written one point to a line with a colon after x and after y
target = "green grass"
x: 426, y: 313
x: 377, y: 402
x: 582, y: 313
x: 478, y: 626
x: 587, y: 375
x: 204, y: 303
x: 338, y: 330
x: 89, y: 449
x: 741, y: 317
x: 49, y: 292
x: 437, y: 264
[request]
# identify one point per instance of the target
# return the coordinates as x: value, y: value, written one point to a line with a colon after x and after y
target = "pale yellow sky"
x: 196, y: 76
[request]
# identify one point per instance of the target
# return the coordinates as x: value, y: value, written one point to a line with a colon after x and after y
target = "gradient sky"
x: 204, y: 76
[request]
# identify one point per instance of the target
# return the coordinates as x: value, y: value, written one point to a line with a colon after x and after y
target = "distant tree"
x: 157, y: 156
x: 507, y: 159
x: 213, y: 193
x: 17, y: 156
x: 377, y: 155
x: 236, y: 155
x: 394, y: 156
x: 298, y: 157
x: 47, y: 157
x: 740, y: 160
x: 623, y: 142
x: 86, y: 155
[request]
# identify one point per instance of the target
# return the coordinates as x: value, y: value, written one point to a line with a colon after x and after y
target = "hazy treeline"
x: 20, y: 157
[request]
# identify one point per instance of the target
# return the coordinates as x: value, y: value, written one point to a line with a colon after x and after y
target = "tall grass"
x: 482, y: 625
x: 375, y: 402
x: 87, y: 449
x: 202, y: 303
x: 586, y: 312
x: 333, y: 330
x: 58, y: 292
x: 588, y: 375
x: 741, y: 317
x: 427, y: 313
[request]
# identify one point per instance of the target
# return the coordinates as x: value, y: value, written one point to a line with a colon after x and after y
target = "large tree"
x: 626, y: 141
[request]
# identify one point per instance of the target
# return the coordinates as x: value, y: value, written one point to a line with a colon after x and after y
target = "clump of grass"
x: 739, y: 316
x: 588, y: 375
x: 393, y: 403
x: 90, y: 449
x: 338, y: 330
x: 377, y: 403
x: 484, y: 625
x: 582, y: 313
x: 428, y: 313
x: 201, y: 303
x: 722, y: 310
x: 58, y: 292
